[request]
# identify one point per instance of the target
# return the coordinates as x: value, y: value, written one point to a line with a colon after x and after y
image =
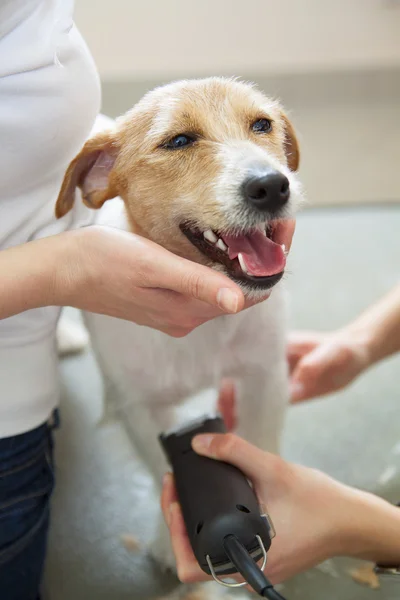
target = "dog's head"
x: 206, y: 168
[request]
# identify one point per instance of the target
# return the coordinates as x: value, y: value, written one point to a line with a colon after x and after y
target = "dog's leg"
x: 262, y: 399
x: 72, y: 337
x: 144, y: 421
x: 261, y: 373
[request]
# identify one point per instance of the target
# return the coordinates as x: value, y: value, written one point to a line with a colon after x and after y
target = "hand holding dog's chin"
x: 122, y: 275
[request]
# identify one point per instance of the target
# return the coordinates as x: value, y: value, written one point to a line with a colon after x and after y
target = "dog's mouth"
x: 256, y: 257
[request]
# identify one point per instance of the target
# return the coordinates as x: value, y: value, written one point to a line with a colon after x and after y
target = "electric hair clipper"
x: 226, y: 528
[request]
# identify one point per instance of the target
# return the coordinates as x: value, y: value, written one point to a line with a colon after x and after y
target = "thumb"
x: 227, y: 403
x: 234, y: 450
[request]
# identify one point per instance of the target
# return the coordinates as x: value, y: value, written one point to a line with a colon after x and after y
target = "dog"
x: 207, y: 169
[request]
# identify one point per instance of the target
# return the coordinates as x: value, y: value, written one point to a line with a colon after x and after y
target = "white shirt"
x: 49, y: 99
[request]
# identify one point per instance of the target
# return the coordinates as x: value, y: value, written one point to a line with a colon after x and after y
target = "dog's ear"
x: 292, y: 150
x: 91, y: 171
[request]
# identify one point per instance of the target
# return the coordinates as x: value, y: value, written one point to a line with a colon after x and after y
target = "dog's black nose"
x: 268, y: 192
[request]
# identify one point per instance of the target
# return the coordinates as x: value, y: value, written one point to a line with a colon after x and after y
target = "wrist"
x: 380, y: 327
x: 54, y: 279
x: 362, y: 340
x: 29, y: 274
x: 69, y: 277
x: 371, y: 529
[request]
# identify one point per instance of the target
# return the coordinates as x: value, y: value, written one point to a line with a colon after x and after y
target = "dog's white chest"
x: 138, y: 361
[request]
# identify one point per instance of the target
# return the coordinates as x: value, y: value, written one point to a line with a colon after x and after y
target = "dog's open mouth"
x: 257, y: 257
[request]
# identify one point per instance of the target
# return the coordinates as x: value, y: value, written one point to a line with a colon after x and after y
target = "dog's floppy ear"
x: 91, y: 171
x: 292, y: 150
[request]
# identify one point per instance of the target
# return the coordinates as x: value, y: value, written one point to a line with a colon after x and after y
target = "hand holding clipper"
x: 226, y: 530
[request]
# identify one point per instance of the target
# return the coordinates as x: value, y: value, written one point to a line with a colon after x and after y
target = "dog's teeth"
x: 242, y: 263
x: 265, y: 230
x: 210, y: 236
x: 222, y: 246
x: 283, y: 248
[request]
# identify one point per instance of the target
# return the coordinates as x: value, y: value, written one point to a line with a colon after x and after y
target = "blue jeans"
x: 26, y: 484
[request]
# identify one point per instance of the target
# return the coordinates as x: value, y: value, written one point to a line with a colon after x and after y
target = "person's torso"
x: 49, y: 99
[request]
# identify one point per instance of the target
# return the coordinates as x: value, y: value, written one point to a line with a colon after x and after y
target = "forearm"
x: 379, y: 326
x: 28, y: 274
x: 374, y: 530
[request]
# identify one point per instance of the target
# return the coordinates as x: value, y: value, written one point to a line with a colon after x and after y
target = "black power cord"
x: 249, y: 569
x: 272, y: 594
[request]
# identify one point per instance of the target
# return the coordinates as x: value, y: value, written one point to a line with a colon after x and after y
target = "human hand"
x: 314, y: 516
x: 123, y: 275
x: 321, y: 363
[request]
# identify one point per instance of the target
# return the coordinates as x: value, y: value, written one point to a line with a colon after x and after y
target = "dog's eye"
x: 262, y: 126
x: 180, y: 141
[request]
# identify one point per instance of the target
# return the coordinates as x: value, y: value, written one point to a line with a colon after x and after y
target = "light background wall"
x: 158, y: 38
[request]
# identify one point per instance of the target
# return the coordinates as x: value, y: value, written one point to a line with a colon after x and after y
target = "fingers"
x: 171, y: 312
x: 299, y: 344
x: 292, y: 359
x: 307, y: 380
x: 254, y: 463
x: 187, y: 566
x: 227, y: 403
x: 318, y: 373
x: 168, y: 495
x: 171, y: 272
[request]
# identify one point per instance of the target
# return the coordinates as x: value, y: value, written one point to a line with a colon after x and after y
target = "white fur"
x: 240, y: 160
x: 71, y: 338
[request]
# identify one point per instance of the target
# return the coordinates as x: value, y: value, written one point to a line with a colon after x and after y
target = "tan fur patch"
x: 366, y: 575
x: 130, y: 542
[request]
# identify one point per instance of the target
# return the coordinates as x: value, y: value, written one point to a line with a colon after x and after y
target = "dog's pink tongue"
x: 261, y: 255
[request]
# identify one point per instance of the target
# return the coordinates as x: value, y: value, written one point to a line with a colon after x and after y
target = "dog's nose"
x: 268, y: 192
